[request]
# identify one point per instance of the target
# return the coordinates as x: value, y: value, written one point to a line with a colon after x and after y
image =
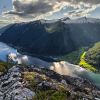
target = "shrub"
x: 4, y: 66
x: 51, y: 95
x: 28, y: 76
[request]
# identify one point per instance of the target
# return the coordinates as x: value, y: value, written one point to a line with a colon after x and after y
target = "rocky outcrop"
x: 12, y: 87
x: 30, y: 82
x: 77, y: 88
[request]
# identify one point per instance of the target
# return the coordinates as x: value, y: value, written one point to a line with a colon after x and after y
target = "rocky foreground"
x: 33, y: 83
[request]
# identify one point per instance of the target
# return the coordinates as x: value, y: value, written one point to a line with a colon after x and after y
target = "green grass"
x: 73, y: 57
x: 86, y: 65
x: 51, y: 95
x: 28, y: 76
x: 4, y: 66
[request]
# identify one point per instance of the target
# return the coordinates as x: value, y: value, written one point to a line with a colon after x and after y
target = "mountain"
x: 52, y: 37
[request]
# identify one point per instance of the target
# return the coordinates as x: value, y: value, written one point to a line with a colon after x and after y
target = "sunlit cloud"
x: 39, y: 9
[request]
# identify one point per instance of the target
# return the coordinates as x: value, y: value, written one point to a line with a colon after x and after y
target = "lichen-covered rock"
x: 20, y: 94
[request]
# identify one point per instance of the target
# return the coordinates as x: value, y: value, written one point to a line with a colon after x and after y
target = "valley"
x: 48, y: 59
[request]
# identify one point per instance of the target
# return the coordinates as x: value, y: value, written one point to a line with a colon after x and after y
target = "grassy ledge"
x: 4, y: 66
x: 86, y: 65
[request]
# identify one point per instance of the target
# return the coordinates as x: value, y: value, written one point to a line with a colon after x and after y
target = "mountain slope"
x: 22, y: 82
x: 93, y: 55
x: 58, y: 37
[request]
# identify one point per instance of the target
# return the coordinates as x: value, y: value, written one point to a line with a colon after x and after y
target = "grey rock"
x: 11, y: 88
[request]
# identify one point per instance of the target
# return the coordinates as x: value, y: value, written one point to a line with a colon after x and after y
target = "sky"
x: 25, y: 10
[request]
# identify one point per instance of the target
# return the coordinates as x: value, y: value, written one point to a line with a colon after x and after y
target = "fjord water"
x: 63, y: 68
x: 5, y: 50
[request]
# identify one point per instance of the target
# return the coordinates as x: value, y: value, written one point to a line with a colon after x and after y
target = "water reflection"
x: 65, y: 68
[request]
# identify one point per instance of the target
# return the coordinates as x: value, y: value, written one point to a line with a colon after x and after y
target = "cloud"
x: 44, y: 8
x: 28, y: 7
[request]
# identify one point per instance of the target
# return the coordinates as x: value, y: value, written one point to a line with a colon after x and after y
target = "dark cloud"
x: 39, y: 7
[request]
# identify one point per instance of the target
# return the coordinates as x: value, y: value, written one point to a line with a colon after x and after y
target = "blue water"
x: 93, y: 77
x: 5, y: 50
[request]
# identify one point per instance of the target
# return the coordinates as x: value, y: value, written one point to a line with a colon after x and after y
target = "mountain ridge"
x: 53, y: 37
